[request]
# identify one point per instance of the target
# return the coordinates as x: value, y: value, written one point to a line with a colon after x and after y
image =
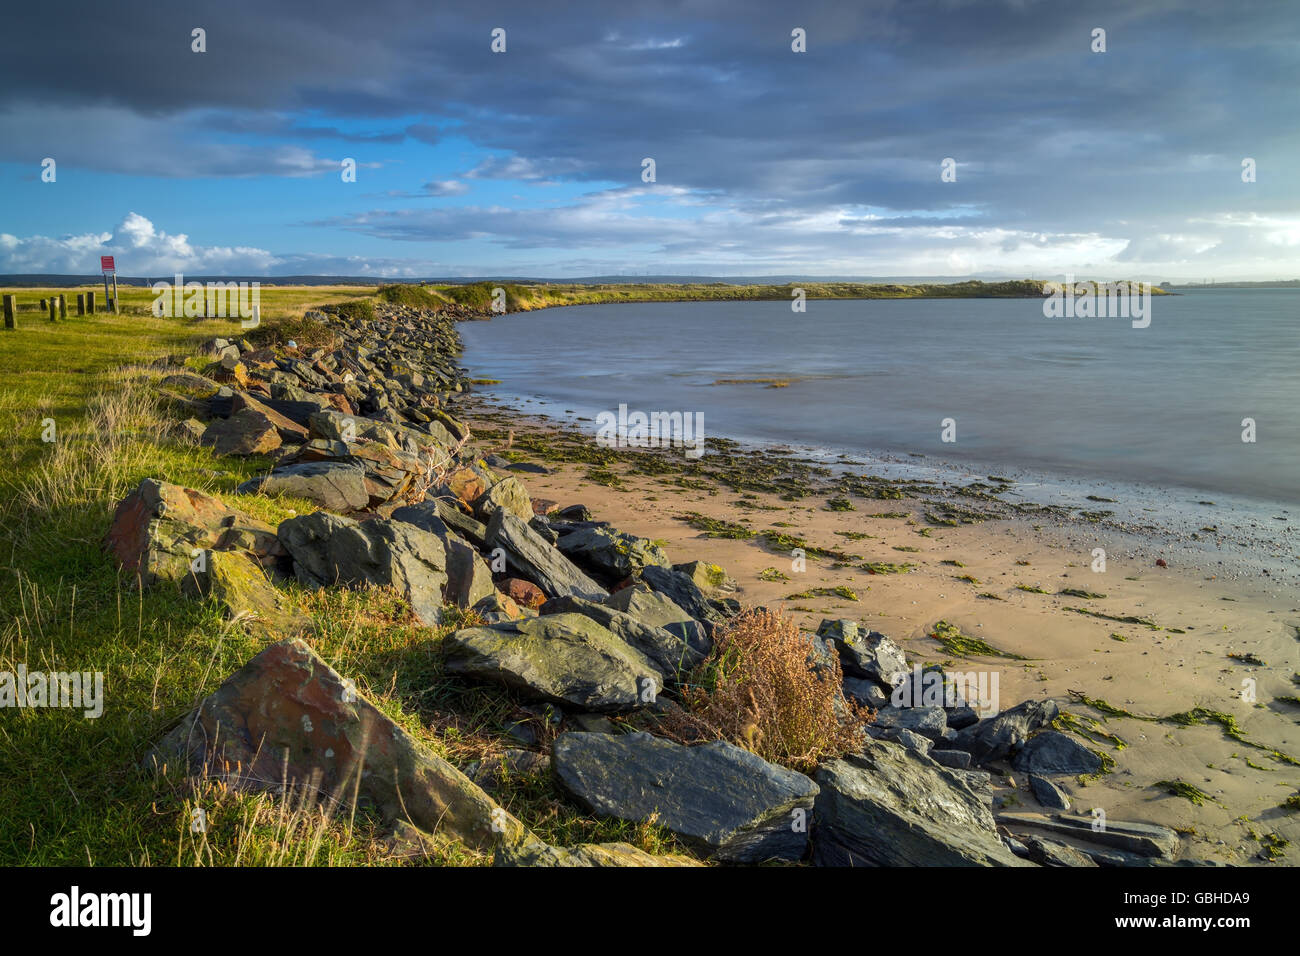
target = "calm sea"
x: 1092, y: 399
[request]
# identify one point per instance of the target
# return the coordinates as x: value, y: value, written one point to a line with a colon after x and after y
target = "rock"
x: 670, y: 654
x: 238, y: 584
x: 228, y: 369
x: 927, y: 721
x: 160, y: 529
x: 190, y: 428
x: 285, y: 427
x: 244, y: 433
x: 390, y: 473
x: 952, y: 759
x: 912, y: 741
x: 585, y: 854
x: 1143, y: 839
x: 287, y: 719
x: 996, y: 737
x: 332, y: 485
x: 1052, y: 752
x: 885, y: 807
x: 498, y: 607
x: 959, y: 718
x: 1051, y: 853
x: 536, y: 560
x: 468, y: 578
x: 329, y: 549
x: 865, y: 655
x: 707, y: 577
x: 866, y: 693
x: 682, y: 591
x: 717, y: 797
x: 523, y: 593
x: 611, y: 553
x: 508, y: 493
x: 1047, y: 793
x: 491, y: 774
x: 566, y: 659
x: 657, y: 610
x: 461, y: 523
x: 465, y: 483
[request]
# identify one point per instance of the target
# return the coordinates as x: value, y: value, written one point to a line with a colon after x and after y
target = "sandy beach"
x: 997, y: 574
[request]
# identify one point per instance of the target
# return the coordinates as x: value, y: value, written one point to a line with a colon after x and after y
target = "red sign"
x: 106, y: 264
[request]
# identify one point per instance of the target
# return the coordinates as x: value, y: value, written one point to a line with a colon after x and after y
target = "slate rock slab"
x: 335, y: 486
x: 718, y: 797
x: 1052, y: 752
x: 887, y: 807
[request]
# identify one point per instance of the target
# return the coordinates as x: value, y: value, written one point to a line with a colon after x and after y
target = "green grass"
x: 74, y: 789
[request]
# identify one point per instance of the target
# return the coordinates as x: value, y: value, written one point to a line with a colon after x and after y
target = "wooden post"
x: 90, y: 302
x: 11, y: 306
x: 112, y: 304
x: 42, y: 305
x: 54, y: 309
x: 63, y: 306
x: 81, y: 303
x: 113, y: 300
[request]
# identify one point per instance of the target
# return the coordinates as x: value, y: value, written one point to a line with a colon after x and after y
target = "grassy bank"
x: 74, y: 791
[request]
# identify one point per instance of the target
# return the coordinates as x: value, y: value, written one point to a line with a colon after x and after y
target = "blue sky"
x: 528, y: 162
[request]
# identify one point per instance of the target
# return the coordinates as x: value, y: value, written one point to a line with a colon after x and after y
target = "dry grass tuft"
x: 760, y: 690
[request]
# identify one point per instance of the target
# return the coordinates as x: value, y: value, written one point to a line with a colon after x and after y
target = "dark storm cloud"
x: 1048, y: 136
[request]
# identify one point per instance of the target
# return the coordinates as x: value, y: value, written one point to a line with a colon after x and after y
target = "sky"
x: 767, y: 161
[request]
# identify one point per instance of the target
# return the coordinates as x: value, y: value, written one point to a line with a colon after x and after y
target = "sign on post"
x: 106, y: 265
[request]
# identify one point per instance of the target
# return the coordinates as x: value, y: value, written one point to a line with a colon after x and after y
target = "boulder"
x: 1051, y: 853
x: 657, y: 610
x: 565, y: 659
x: 707, y: 577
x: 508, y: 493
x: 724, y: 800
x: 287, y: 720
x: 670, y: 654
x: 332, y: 485
x: 330, y: 549
x: 285, y: 427
x: 524, y: 593
x: 244, y: 433
x: 536, y: 560
x: 239, y: 585
x: 929, y: 722
x: 996, y: 737
x: 869, y: 655
x: 468, y: 578
x: 886, y: 807
x: 1142, y: 839
x: 160, y: 529
x: 683, y: 592
x: 610, y: 553
x: 1052, y: 752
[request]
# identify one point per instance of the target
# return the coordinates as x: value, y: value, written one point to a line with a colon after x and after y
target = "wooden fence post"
x: 11, y: 306
x: 90, y: 302
x: 63, y: 306
x: 54, y: 309
x: 81, y: 303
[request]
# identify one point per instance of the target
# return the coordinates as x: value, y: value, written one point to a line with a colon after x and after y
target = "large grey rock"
x: 864, y: 654
x: 1052, y: 752
x: 865, y: 692
x: 534, y: 559
x: 611, y: 553
x: 329, y: 549
x: 1143, y: 839
x: 996, y: 737
x: 886, y: 807
x: 1052, y: 853
x: 562, y: 658
x: 335, y: 486
x: 469, y: 579
x: 508, y: 493
x: 658, y: 610
x: 670, y: 653
x: 682, y: 591
x: 716, y: 796
x: 926, y: 721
